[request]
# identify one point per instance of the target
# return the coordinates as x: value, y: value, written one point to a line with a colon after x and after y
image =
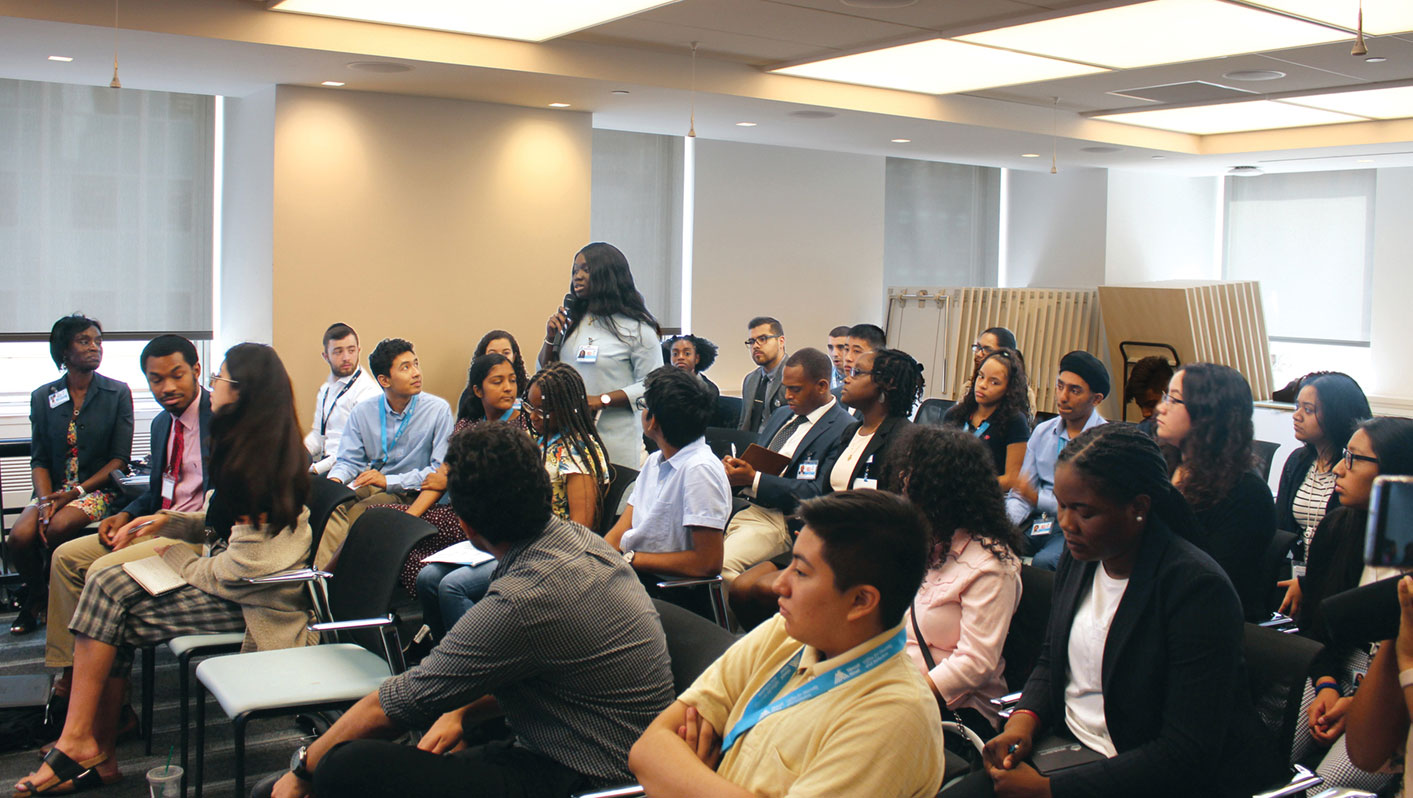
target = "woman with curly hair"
x: 694, y: 355
x: 997, y: 411
x: 1206, y: 417
x: 972, y: 588
x: 882, y: 388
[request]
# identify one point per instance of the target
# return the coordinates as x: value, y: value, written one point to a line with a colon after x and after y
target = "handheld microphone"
x: 567, y: 303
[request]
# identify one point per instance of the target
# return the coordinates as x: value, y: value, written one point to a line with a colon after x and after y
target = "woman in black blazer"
x: 882, y: 388
x: 80, y: 432
x: 1143, y: 651
x: 1328, y: 406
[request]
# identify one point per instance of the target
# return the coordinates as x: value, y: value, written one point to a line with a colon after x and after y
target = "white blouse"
x: 1084, y: 687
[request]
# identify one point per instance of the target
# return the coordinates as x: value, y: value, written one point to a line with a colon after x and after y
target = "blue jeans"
x: 1047, y: 548
x: 447, y: 591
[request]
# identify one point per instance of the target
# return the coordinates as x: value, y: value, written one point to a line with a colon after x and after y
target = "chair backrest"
x: 931, y: 411
x: 1027, y: 633
x: 721, y: 439
x: 1265, y: 453
x: 325, y: 496
x: 365, y: 581
x: 1275, y: 555
x: 693, y: 643
x: 1278, y: 665
x: 623, y: 478
x: 728, y: 410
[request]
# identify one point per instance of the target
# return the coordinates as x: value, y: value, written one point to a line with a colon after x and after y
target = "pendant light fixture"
x: 115, y: 83
x: 1359, y: 48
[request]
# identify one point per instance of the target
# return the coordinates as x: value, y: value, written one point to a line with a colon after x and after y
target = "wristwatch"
x: 79, y: 487
x: 628, y: 556
x: 606, y: 399
x: 296, y: 764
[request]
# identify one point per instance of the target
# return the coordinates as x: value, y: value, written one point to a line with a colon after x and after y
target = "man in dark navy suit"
x: 180, y: 449
x: 807, y: 430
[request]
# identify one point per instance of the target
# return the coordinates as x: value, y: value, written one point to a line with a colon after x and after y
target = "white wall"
x: 1392, y: 318
x: 1055, y: 228
x: 1162, y: 227
x: 245, y: 311
x: 795, y: 234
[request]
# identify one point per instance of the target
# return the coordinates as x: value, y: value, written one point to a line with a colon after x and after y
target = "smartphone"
x: 1388, y: 539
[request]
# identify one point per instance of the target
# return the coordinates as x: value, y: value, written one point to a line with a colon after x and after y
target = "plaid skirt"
x: 116, y: 610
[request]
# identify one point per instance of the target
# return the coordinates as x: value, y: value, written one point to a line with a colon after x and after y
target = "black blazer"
x: 887, y: 434
x: 151, y: 501
x: 820, y: 445
x: 1237, y: 531
x: 104, y: 427
x: 1292, y: 474
x: 1177, y: 701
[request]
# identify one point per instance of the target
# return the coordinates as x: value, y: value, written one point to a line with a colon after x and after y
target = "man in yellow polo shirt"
x: 820, y: 700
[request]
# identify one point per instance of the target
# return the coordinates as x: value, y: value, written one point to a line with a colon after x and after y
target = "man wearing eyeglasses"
x: 763, y: 390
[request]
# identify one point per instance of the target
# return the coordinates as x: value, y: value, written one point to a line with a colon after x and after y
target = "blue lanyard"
x: 762, y: 705
x: 981, y: 430
x: 401, y: 427
x: 507, y: 414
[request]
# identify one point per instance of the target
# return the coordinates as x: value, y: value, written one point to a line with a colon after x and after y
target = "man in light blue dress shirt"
x: 1081, y: 387
x: 394, y: 441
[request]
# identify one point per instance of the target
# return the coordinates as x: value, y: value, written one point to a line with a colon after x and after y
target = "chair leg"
x: 240, y: 721
x: 718, y: 605
x: 184, y: 684
x: 200, y: 774
x: 149, y: 676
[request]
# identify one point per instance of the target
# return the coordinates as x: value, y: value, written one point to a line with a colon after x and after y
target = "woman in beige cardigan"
x: 259, y: 472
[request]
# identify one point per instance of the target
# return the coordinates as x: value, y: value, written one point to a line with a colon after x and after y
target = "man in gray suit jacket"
x: 763, y: 390
x: 808, y: 430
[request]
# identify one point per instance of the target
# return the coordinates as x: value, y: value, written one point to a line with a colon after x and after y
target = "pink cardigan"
x: 964, y: 608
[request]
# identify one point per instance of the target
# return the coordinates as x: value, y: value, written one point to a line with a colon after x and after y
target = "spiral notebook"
x: 154, y: 574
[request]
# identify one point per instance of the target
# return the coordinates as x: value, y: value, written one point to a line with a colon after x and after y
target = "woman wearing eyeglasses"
x: 1206, y: 418
x: 1335, y: 563
x: 997, y: 410
x: 607, y: 334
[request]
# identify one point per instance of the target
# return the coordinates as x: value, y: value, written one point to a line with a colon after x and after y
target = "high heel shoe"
x: 25, y: 622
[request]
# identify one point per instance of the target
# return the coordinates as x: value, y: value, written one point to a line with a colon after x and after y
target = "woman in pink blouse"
x: 973, y: 585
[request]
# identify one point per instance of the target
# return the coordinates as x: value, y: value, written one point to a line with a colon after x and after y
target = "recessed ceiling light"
x: 902, y: 141
x: 939, y: 66
x: 559, y: 105
x: 1030, y: 155
x: 1158, y: 32
x: 63, y: 58
x: 1204, y: 120
x: 745, y: 124
x: 526, y: 20
x: 334, y: 83
x: 1377, y: 103
x: 1254, y: 74
x: 1375, y: 59
x: 619, y: 91
x: 1380, y: 16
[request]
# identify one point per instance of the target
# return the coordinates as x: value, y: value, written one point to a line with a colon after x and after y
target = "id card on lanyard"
x: 764, y: 703
x: 377, y: 465
x: 980, y: 431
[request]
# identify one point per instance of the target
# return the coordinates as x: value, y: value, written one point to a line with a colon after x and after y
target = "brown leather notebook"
x: 764, y: 460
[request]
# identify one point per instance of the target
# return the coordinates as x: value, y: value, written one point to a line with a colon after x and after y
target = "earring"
x: 1138, y: 518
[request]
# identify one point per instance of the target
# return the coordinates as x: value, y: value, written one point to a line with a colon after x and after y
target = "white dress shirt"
x: 797, y: 437
x: 331, y: 409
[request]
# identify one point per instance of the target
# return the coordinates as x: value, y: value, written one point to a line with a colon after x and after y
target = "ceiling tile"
x: 937, y: 15
x: 766, y: 20
x: 743, y: 47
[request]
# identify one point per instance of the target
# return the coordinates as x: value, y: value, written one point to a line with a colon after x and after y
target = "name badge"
x: 588, y: 353
x: 808, y: 469
x: 866, y: 484
x: 1041, y: 528
x: 1297, y: 571
x: 56, y: 399
x: 169, y: 488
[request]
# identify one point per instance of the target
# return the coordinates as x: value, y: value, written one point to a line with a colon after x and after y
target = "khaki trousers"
x: 755, y: 534
x: 71, y: 564
x: 339, y: 523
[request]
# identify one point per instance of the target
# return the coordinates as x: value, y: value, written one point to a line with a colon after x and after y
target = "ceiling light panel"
x: 1159, y: 32
x: 1380, y: 16
x: 1394, y: 103
x: 526, y: 20
x: 939, y: 66
x: 1205, y: 120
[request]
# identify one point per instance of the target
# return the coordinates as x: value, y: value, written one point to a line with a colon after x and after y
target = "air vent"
x: 813, y: 114
x: 384, y: 67
x: 1190, y: 92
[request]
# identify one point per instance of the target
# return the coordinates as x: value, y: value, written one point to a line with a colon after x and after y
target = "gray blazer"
x: 104, y: 427
x: 774, y: 394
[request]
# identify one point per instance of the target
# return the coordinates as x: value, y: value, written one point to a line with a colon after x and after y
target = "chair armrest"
x: 1007, y: 700
x: 689, y: 582
x: 301, y: 575
x: 362, y: 623
x: 1301, y: 779
x: 627, y: 791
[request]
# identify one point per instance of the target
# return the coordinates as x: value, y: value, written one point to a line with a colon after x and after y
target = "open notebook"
x: 154, y: 574
x: 463, y: 553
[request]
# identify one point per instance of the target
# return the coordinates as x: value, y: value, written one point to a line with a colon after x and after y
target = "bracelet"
x: 82, y: 492
x: 1331, y: 684
x: 1405, y: 678
x: 1029, y: 712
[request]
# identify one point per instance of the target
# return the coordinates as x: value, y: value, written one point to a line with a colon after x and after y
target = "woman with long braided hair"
x: 1142, y: 660
x: 574, y: 453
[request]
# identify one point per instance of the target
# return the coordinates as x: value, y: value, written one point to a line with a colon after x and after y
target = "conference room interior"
x: 260, y: 175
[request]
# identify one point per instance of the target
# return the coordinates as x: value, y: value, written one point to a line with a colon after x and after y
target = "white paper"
x: 463, y: 553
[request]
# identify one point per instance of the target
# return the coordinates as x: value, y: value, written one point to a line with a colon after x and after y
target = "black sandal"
x: 65, y: 769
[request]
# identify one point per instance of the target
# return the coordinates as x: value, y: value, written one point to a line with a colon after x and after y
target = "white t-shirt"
x: 1084, y: 687
x: 844, y: 466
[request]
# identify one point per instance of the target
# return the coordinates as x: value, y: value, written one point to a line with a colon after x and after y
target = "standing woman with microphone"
x: 604, y: 330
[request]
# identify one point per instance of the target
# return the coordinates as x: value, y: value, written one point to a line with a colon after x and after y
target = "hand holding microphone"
x: 558, y: 324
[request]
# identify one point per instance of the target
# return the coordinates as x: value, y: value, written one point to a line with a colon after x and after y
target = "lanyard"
x: 981, y: 430
x: 324, y: 423
x: 401, y: 427
x: 762, y: 705
x: 507, y: 414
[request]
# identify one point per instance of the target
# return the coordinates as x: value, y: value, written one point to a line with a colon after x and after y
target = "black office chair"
x: 723, y: 439
x: 1027, y: 634
x: 622, y: 479
x: 1265, y: 452
x: 1278, y: 666
x: 931, y: 411
x: 1271, y: 570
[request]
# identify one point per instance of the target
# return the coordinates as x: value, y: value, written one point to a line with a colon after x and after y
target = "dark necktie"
x: 786, y: 431
x: 757, y: 416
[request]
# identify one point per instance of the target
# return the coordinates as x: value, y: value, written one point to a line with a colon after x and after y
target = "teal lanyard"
x: 401, y: 427
x: 762, y: 705
x: 507, y: 414
x: 981, y: 430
